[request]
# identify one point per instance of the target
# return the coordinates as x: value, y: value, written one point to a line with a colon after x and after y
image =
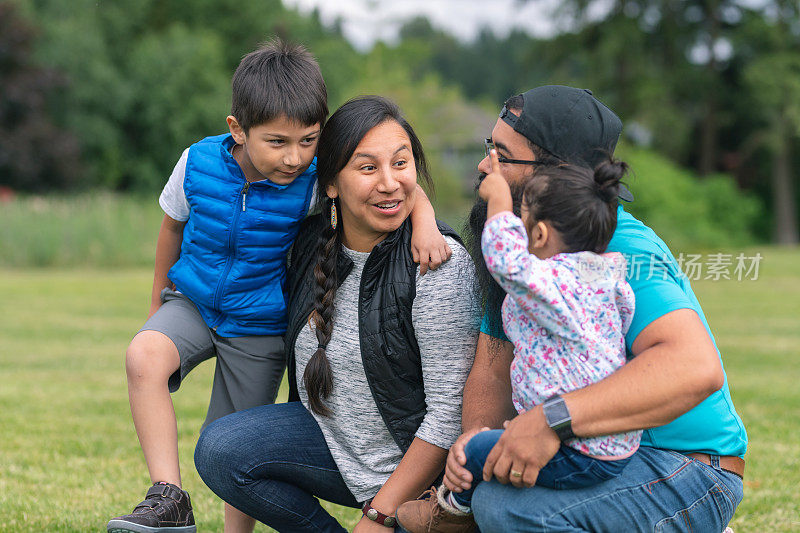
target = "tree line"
x: 106, y: 94
x: 712, y: 84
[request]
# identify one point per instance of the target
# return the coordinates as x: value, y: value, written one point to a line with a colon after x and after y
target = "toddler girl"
x: 567, y: 309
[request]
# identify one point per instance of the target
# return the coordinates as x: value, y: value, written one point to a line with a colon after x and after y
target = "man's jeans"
x: 270, y: 462
x: 659, y: 490
x: 568, y: 469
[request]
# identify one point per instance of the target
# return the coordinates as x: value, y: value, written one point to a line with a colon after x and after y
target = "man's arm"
x: 168, y: 249
x: 487, y: 392
x: 487, y: 403
x: 676, y: 367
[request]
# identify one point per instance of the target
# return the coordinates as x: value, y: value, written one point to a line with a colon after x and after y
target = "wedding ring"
x: 514, y: 473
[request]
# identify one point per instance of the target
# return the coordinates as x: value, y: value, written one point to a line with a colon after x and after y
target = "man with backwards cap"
x: 687, y: 474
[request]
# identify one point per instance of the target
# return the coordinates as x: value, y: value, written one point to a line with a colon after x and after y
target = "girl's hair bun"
x: 607, y: 177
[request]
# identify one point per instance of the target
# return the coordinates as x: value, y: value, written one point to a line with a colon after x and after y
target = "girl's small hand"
x: 495, y: 190
x: 456, y: 476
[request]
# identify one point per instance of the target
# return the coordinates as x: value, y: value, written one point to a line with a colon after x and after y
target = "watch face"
x: 558, y: 418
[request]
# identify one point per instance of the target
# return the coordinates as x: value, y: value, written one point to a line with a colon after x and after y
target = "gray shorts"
x: 249, y: 369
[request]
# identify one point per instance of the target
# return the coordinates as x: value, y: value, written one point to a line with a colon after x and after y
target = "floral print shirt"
x: 566, y: 316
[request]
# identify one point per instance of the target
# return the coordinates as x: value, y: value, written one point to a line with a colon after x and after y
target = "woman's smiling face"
x: 377, y: 187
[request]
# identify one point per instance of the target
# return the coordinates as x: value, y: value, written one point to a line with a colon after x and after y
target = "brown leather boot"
x: 433, y: 514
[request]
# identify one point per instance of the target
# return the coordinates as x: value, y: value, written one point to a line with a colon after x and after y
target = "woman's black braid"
x: 318, y: 376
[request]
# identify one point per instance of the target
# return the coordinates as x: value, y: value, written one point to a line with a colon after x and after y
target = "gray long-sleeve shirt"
x: 445, y: 316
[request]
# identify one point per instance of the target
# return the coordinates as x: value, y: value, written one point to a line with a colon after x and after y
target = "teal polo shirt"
x: 660, y: 287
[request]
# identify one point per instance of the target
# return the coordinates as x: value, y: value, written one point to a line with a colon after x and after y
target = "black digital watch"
x: 558, y: 418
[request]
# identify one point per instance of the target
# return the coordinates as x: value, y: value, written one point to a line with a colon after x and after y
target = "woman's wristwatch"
x: 376, y: 516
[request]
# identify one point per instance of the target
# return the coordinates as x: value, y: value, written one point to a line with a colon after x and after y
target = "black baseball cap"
x: 569, y: 123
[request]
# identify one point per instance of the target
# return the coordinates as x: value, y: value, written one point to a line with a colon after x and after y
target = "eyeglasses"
x: 489, y: 145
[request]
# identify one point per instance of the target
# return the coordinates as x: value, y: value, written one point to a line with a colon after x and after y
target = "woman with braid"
x: 377, y: 354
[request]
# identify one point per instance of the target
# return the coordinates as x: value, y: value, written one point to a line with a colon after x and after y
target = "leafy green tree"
x: 489, y: 69
x: 146, y: 78
x: 173, y: 107
x: 775, y: 82
x: 706, y: 83
x: 677, y: 70
x: 80, y: 39
x: 35, y: 153
x: 688, y: 212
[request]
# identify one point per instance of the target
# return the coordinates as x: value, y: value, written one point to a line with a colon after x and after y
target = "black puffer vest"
x: 389, y: 349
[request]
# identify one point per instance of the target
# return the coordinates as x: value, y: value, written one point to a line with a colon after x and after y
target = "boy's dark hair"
x: 580, y: 204
x: 337, y: 142
x: 278, y: 79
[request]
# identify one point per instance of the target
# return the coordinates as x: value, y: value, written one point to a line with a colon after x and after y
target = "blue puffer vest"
x: 233, y: 256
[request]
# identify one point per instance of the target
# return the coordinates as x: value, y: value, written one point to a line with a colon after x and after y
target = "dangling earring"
x: 334, y: 218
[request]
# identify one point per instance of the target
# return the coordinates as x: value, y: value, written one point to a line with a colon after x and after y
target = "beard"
x: 490, y: 293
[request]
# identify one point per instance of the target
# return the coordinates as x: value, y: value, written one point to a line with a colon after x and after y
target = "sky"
x: 365, y: 21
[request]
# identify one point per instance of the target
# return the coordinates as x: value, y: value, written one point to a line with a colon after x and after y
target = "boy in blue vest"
x: 233, y: 205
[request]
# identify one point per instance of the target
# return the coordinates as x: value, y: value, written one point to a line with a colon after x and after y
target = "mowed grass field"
x: 70, y: 460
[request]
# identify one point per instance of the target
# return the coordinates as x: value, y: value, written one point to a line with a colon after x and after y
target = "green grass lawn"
x: 69, y: 458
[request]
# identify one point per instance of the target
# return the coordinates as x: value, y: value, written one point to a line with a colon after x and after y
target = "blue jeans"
x: 270, y: 462
x: 659, y: 490
x: 568, y: 469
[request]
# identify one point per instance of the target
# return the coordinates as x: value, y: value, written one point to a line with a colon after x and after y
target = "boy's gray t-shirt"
x: 445, y: 315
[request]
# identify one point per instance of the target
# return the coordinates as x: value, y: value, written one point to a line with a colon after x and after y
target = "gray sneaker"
x: 165, y: 509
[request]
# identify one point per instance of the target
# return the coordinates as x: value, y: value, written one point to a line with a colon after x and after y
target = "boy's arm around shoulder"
x: 428, y: 247
x: 168, y: 250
